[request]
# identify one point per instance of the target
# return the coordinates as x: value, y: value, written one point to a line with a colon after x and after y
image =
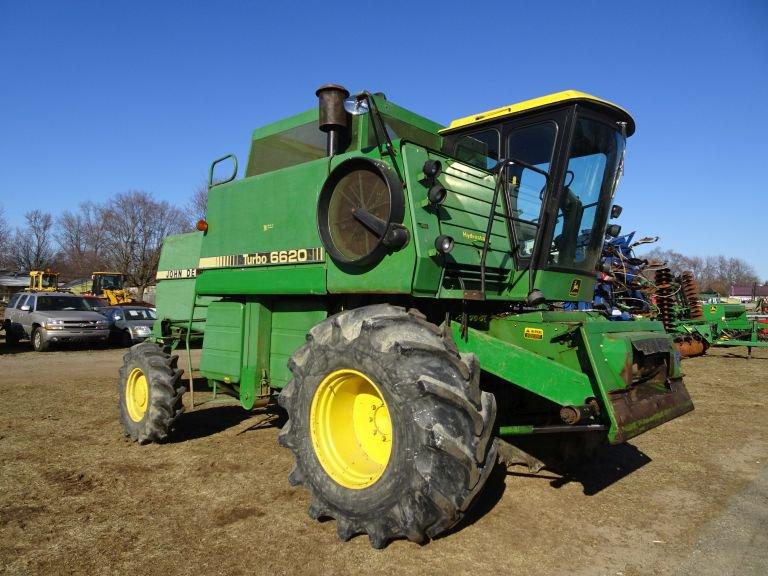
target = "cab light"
x: 444, y: 244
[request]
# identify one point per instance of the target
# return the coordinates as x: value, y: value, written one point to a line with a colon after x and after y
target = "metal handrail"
x: 501, y: 170
x: 211, y: 184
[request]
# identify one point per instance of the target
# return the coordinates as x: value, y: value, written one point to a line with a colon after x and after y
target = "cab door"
x: 24, y: 317
x: 537, y: 141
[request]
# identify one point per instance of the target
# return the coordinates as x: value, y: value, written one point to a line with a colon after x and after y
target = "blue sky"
x: 102, y: 97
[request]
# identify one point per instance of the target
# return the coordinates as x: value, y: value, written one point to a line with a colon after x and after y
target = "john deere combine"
x: 388, y: 280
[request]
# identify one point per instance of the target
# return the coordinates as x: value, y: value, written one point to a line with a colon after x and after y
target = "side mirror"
x: 616, y: 211
x: 613, y: 230
x: 26, y: 308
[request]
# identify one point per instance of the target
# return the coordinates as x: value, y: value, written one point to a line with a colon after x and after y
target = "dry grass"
x: 76, y: 498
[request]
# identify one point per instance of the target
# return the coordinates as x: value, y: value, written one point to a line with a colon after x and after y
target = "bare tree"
x: 80, y: 236
x: 716, y: 273
x: 135, y: 226
x: 5, y: 233
x: 198, y: 204
x: 32, y: 248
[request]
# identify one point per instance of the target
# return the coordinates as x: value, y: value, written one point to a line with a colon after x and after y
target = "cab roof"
x: 550, y: 100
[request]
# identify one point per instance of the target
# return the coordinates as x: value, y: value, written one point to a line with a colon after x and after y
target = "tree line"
x: 713, y: 273
x: 122, y: 234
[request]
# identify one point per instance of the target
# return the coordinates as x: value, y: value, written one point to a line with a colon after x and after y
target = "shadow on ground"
x: 605, y: 468
x: 206, y: 420
x: 202, y: 422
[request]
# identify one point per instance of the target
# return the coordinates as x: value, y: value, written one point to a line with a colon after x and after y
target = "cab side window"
x: 21, y: 301
x: 533, y: 144
x: 480, y: 149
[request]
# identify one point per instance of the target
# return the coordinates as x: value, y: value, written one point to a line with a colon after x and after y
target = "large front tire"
x: 150, y: 390
x: 389, y: 428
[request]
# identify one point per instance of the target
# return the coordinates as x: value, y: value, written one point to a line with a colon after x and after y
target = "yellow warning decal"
x: 533, y: 333
x: 713, y: 309
x: 575, y: 287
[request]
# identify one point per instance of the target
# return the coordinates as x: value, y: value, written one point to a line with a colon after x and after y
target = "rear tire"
x: 39, y: 342
x: 150, y: 391
x: 441, y: 447
x: 11, y: 335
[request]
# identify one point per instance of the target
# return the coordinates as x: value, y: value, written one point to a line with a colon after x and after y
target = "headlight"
x: 54, y: 325
x: 101, y: 323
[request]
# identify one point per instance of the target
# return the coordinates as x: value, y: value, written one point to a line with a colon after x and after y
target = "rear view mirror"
x: 26, y: 308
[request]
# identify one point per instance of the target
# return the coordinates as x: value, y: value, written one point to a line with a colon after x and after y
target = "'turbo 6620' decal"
x: 272, y: 258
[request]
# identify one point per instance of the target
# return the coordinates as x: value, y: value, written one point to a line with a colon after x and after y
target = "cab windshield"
x: 588, y: 187
x: 111, y: 282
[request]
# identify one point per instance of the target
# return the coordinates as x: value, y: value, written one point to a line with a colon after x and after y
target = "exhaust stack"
x: 333, y: 118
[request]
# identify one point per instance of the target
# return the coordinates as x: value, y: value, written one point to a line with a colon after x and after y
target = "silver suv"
x: 52, y: 317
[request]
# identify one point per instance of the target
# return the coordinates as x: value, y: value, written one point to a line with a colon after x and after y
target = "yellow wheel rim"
x: 136, y: 394
x: 351, y: 429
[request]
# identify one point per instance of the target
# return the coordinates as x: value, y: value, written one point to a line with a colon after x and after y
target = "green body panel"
x: 525, y: 368
x: 289, y: 280
x: 256, y: 343
x: 269, y: 212
x: 571, y: 359
x: 247, y: 345
x: 223, y: 342
x: 174, y: 297
x: 291, y: 321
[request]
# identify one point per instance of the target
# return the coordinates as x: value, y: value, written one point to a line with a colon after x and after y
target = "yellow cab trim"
x: 534, y: 103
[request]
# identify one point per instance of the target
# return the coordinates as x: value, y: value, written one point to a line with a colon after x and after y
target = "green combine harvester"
x: 394, y: 285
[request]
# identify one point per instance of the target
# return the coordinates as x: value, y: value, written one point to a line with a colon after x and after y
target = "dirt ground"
x: 690, y: 497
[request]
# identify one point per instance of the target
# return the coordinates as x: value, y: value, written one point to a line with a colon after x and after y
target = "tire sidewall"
x: 385, y: 372
x: 132, y: 427
x: 39, y: 343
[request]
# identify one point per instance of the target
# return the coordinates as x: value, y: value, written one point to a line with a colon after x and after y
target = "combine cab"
x: 393, y: 285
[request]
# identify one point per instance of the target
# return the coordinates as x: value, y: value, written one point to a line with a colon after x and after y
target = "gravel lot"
x: 690, y: 497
